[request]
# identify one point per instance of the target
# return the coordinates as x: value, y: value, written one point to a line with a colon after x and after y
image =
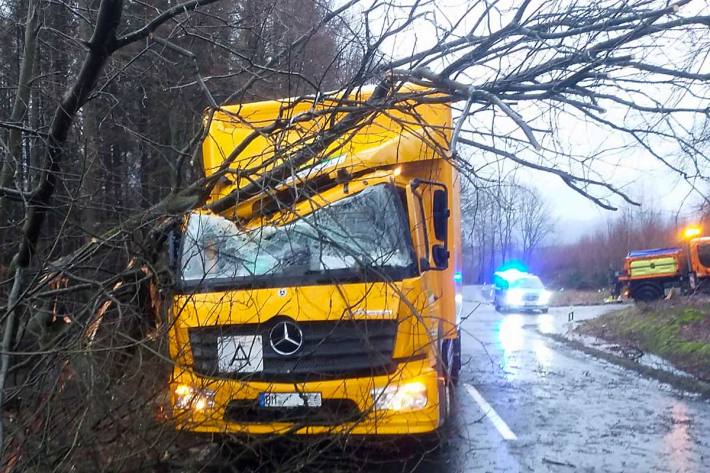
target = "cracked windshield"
x: 366, y: 230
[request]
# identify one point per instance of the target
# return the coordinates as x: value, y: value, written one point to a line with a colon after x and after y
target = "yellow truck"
x: 651, y: 274
x: 328, y: 302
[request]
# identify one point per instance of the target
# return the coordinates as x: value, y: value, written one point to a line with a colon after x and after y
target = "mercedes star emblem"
x: 286, y: 338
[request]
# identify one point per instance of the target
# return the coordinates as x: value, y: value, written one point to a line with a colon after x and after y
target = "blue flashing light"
x: 458, y: 276
x: 512, y: 265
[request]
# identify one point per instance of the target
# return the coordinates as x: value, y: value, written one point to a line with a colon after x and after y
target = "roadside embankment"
x: 573, y: 297
x: 677, y: 331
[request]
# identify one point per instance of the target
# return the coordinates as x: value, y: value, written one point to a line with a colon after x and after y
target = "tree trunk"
x: 19, y: 112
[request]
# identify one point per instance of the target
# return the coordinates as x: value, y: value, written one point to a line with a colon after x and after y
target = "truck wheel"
x: 442, y: 431
x: 647, y: 292
x: 448, y: 398
x: 452, y: 358
x: 457, y: 360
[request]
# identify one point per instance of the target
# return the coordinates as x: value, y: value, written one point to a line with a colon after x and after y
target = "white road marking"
x: 491, y: 414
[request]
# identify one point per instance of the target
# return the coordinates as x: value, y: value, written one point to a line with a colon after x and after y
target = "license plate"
x: 290, y: 400
x: 240, y: 354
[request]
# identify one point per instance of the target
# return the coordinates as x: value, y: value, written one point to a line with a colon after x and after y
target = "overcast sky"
x: 618, y: 160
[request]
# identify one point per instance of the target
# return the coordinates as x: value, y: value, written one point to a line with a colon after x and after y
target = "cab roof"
x: 410, y: 132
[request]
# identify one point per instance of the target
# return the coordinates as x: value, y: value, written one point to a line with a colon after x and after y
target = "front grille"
x: 331, y: 412
x: 331, y: 349
x: 531, y: 297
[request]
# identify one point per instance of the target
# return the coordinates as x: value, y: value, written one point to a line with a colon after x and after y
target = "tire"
x: 457, y: 360
x: 448, y: 399
x: 545, y: 311
x: 452, y: 358
x: 647, y: 292
x: 440, y: 437
x: 451, y: 365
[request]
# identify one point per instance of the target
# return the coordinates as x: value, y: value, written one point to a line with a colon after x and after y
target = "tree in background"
x: 502, y: 222
x: 591, y: 261
x: 535, y: 223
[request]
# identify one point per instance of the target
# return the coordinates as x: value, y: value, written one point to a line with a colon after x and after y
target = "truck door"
x: 429, y: 211
x: 701, y: 259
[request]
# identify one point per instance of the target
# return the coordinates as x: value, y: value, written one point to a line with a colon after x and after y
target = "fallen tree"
x: 83, y: 332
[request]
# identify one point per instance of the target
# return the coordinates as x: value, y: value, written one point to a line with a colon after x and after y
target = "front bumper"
x: 527, y: 306
x: 214, y: 418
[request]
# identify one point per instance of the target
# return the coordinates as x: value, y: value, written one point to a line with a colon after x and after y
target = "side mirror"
x: 441, y: 214
x: 436, y: 256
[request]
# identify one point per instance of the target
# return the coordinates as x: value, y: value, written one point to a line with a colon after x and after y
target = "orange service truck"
x: 329, y: 302
x: 650, y: 274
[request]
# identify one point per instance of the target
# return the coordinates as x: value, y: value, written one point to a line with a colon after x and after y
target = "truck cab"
x: 327, y: 303
x: 699, y: 261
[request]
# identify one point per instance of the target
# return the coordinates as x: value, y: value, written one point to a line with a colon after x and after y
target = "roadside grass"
x: 578, y: 297
x: 678, y: 331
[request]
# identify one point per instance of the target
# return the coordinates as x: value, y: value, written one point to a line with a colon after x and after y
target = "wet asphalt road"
x: 568, y: 411
x: 527, y: 403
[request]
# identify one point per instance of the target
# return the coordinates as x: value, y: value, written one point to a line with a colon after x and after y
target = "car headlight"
x: 401, y: 397
x: 545, y: 297
x: 187, y: 397
x: 514, y: 297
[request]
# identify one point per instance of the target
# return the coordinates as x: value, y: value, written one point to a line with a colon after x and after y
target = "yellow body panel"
x: 653, y: 267
x: 393, y: 147
x: 328, y: 302
x: 378, y: 301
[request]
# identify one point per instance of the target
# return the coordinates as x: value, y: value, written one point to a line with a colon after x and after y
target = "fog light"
x: 402, y: 397
x: 187, y: 397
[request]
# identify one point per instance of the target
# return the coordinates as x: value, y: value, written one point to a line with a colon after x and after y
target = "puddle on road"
x: 517, y: 342
x: 678, y: 442
x: 511, y: 335
x: 546, y: 323
x: 544, y: 354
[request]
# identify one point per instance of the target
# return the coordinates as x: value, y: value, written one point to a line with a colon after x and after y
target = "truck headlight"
x: 187, y: 397
x: 401, y: 397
